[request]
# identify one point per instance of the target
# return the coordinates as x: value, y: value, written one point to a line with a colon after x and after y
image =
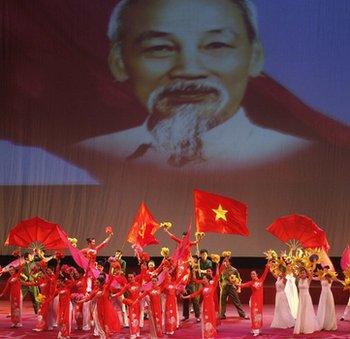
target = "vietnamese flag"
x: 218, y: 214
x: 143, y: 228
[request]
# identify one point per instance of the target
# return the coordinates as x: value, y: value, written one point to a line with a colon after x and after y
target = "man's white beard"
x: 179, y: 134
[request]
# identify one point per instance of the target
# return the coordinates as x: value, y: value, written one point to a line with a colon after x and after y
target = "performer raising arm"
x: 256, y: 299
x: 306, y: 321
x: 92, y: 249
x: 282, y: 317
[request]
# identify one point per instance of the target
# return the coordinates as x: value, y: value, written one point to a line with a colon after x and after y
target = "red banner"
x: 218, y: 214
x: 143, y: 228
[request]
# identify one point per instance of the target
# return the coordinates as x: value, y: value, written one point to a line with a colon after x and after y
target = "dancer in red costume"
x: 64, y: 285
x: 178, y: 240
x: 150, y: 272
x: 92, y: 249
x: 133, y: 290
x: 118, y: 304
x: 14, y: 286
x: 47, y: 285
x: 171, y: 312
x: 166, y: 261
x: 155, y: 308
x: 209, y: 294
x: 79, y: 291
x: 91, y: 252
x: 118, y: 258
x: 105, y: 318
x: 181, y: 257
x: 256, y: 299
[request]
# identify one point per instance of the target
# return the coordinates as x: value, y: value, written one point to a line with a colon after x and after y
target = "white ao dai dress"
x: 326, y: 308
x: 306, y: 321
x: 346, y: 314
x: 282, y: 317
x: 292, y: 294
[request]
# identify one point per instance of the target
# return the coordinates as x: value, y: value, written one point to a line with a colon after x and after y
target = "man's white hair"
x: 115, y: 25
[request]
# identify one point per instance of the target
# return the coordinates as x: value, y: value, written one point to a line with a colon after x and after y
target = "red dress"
x: 47, y: 286
x: 155, y: 310
x: 108, y: 321
x: 80, y: 290
x: 171, y: 311
x: 134, y: 309
x: 117, y: 302
x: 14, y: 285
x: 64, y: 309
x: 44, y: 284
x: 257, y: 299
x: 209, y: 312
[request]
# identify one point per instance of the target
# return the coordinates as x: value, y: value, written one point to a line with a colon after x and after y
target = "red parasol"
x: 300, y: 228
x: 345, y: 259
x: 36, y: 231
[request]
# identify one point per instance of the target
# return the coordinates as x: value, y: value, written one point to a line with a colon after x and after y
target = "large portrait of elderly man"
x: 152, y: 99
x: 215, y: 120
x: 188, y: 64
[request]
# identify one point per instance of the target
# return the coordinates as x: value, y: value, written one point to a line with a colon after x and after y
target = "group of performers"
x: 104, y: 298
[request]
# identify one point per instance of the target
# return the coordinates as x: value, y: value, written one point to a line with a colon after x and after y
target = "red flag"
x: 143, y: 228
x: 218, y: 214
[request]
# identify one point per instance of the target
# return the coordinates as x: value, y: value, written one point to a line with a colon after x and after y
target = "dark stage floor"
x: 232, y: 327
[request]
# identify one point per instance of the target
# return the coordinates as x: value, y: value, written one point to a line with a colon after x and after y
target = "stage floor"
x: 232, y: 327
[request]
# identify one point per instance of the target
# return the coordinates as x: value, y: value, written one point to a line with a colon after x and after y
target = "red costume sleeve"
x: 109, y: 281
x: 70, y: 283
x: 121, y: 280
x: 6, y: 286
x: 172, y: 236
x: 197, y: 281
x: 103, y: 244
x: 196, y: 293
x: 179, y: 279
x: 84, y: 251
x: 123, y: 290
x: 265, y: 273
x: 218, y: 273
x: 141, y: 296
x: 247, y: 284
x: 143, y: 274
x: 91, y: 295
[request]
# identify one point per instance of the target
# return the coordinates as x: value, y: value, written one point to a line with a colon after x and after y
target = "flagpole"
x: 125, y: 240
x: 197, y: 245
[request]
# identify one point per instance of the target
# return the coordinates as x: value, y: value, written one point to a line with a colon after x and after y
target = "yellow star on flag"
x: 220, y: 213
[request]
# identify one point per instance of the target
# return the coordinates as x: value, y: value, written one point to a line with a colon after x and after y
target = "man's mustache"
x: 188, y: 88
x: 164, y: 97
